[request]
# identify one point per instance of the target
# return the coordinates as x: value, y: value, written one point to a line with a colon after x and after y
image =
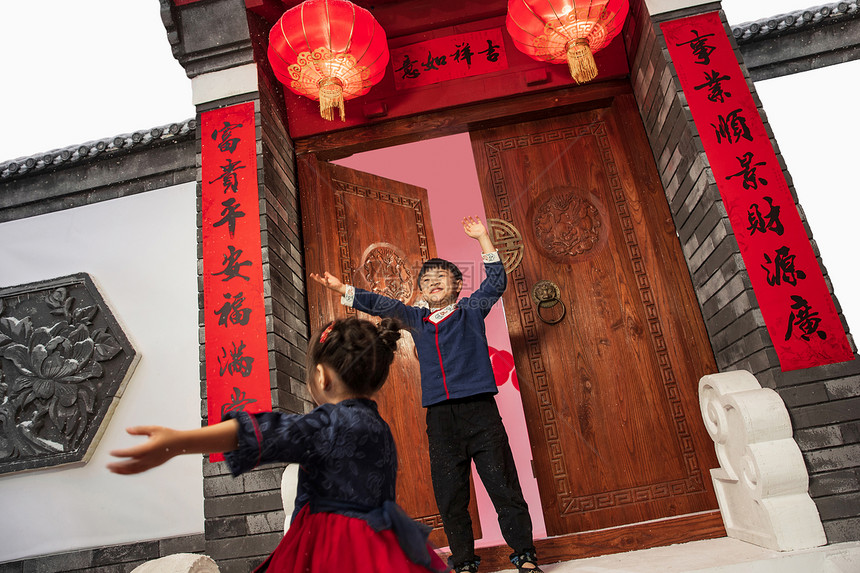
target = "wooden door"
x: 375, y: 233
x: 609, y: 391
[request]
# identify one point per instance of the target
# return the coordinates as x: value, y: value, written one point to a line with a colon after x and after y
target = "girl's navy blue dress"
x: 345, y: 518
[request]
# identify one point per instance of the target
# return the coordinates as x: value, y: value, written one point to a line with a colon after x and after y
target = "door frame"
x: 536, y: 105
x: 529, y: 107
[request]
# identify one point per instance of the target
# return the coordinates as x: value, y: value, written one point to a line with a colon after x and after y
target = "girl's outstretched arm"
x: 164, y: 443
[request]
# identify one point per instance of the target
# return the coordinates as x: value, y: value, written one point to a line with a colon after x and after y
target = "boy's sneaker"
x: 526, y: 562
x: 468, y: 566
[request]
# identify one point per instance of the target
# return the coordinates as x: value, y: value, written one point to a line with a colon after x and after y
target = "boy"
x: 457, y: 388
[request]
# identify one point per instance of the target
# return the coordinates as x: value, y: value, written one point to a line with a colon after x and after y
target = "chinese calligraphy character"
x: 807, y: 322
x: 232, y: 265
x: 237, y: 403
x: 715, y: 86
x: 751, y: 180
x: 492, y: 54
x: 433, y: 62
x: 700, y: 48
x: 464, y: 51
x: 229, y: 177
x: 732, y: 128
x: 232, y: 311
x: 783, y: 268
x: 235, y: 363
x: 229, y: 215
x: 228, y: 143
x: 408, y: 68
x: 769, y: 222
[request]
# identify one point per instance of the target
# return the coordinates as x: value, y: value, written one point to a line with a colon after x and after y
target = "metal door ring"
x: 546, y: 294
x: 553, y: 320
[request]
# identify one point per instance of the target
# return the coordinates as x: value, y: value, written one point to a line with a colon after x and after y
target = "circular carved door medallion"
x: 384, y: 270
x: 567, y: 223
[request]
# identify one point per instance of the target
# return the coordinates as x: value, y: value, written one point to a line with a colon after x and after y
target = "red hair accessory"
x: 325, y: 333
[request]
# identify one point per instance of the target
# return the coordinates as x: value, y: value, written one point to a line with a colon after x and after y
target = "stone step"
x: 724, y: 555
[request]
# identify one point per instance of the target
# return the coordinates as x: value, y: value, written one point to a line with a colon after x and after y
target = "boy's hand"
x: 159, y: 448
x: 474, y: 227
x: 330, y: 281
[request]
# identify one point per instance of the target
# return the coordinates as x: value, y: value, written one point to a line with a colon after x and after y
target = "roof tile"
x: 108, y: 146
x: 794, y: 21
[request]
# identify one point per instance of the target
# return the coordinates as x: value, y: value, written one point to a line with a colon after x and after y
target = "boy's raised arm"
x: 474, y: 228
x: 496, y: 280
x: 330, y: 281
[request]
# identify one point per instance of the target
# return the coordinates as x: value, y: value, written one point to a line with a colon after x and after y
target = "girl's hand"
x: 474, y: 227
x: 160, y: 447
x: 330, y: 281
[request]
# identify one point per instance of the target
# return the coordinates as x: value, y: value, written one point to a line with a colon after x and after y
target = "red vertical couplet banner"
x: 795, y: 302
x: 237, y: 364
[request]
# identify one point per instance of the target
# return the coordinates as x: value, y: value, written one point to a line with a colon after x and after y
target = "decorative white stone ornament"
x: 179, y: 563
x: 762, y: 483
x: 192, y: 563
x: 289, y: 489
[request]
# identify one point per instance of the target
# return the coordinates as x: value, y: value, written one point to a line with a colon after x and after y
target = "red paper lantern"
x: 556, y: 31
x: 330, y: 50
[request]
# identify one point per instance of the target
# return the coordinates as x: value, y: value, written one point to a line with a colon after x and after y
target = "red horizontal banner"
x: 447, y: 58
x: 237, y: 363
x: 795, y: 301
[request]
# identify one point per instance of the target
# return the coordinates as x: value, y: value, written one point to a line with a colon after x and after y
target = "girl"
x: 345, y: 518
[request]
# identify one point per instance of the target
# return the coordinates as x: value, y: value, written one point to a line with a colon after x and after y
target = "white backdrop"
x: 141, y: 250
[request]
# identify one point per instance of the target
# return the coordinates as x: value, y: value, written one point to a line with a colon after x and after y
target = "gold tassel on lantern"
x: 571, y: 30
x: 580, y: 61
x: 331, y: 98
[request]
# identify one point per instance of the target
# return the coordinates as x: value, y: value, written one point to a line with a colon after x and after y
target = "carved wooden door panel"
x: 375, y: 233
x: 610, y: 390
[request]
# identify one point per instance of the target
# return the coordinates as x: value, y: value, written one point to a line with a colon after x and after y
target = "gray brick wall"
x: 244, y: 518
x: 108, y: 559
x: 231, y: 504
x: 284, y: 279
x: 823, y: 402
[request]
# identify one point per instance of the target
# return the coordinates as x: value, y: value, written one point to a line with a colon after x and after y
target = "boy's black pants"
x: 460, y: 431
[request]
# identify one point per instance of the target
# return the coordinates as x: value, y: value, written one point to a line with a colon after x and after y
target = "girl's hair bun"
x: 389, y: 333
x: 359, y: 351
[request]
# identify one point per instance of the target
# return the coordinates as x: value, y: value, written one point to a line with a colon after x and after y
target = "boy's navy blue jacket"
x: 451, y: 342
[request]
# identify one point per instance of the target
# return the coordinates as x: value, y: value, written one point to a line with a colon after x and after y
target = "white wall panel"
x: 141, y: 250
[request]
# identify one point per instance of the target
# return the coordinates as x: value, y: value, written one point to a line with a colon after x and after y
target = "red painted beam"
x: 400, y: 17
x: 384, y: 102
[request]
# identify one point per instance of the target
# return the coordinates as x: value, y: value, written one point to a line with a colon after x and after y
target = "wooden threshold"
x: 657, y: 533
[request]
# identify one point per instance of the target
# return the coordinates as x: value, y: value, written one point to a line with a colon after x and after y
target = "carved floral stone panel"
x: 64, y: 362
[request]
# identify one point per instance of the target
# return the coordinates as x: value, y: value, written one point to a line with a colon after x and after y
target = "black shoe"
x: 526, y: 558
x: 468, y: 566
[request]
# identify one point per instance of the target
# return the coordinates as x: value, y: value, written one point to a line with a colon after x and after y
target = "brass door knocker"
x: 546, y: 294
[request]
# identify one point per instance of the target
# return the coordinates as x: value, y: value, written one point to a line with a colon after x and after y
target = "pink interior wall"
x: 445, y: 167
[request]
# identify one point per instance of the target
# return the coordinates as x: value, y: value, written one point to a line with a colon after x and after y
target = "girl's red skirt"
x: 334, y: 543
